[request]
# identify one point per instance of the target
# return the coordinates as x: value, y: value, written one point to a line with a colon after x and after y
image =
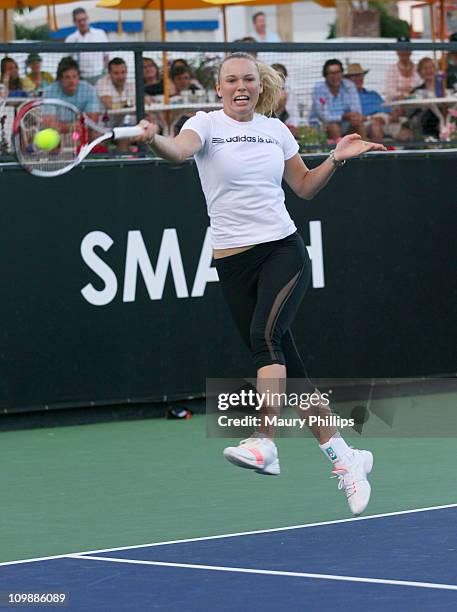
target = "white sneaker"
x: 259, y: 454
x: 353, y: 479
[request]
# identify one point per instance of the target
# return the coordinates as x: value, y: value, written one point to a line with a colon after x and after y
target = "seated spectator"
x: 373, y: 110
x: 451, y: 74
x: 153, y: 84
x: 336, y: 104
x: 281, y: 111
x: 289, y: 100
x: 181, y: 80
x: 70, y: 88
x: 35, y: 79
x: 10, y: 78
x: 181, y: 63
x: 401, y: 77
x: 113, y: 89
x: 379, y: 120
x: 425, y: 118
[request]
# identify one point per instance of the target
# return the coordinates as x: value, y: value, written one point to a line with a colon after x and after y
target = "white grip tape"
x: 127, y: 132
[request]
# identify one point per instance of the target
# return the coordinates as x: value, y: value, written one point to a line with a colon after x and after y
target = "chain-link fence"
x: 404, y: 95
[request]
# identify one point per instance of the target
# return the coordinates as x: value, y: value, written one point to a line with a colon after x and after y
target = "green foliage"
x: 40, y: 33
x: 312, y: 139
x: 391, y: 27
x: 205, y: 69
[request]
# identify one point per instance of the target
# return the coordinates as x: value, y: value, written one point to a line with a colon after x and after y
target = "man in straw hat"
x: 379, y: 121
x: 373, y: 109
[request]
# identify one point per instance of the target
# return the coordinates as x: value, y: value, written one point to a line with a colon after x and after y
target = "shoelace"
x: 344, y: 481
x: 252, y: 441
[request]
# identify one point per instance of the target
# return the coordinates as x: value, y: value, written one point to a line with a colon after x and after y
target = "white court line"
x: 233, y: 535
x: 244, y: 570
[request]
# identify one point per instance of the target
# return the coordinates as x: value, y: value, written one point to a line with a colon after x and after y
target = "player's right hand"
x: 149, y: 131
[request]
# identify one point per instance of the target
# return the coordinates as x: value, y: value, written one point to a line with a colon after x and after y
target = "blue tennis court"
x: 401, y: 560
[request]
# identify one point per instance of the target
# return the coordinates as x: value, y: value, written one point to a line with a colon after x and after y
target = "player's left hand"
x: 352, y: 145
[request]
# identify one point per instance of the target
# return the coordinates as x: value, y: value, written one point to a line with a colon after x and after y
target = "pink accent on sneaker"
x: 257, y: 454
x: 339, y: 470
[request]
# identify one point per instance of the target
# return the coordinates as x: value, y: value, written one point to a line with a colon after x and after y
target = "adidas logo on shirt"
x: 245, y: 139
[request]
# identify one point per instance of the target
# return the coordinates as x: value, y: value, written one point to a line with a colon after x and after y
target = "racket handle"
x: 127, y: 132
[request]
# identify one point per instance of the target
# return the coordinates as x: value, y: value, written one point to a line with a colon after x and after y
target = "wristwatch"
x: 336, y: 163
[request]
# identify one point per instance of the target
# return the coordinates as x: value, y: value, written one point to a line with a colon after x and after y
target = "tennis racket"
x: 70, y: 136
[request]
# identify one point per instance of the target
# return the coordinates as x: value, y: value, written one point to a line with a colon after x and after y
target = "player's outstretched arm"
x: 176, y: 149
x: 307, y: 183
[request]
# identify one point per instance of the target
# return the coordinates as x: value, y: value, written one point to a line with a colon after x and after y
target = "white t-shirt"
x: 270, y: 37
x: 105, y: 87
x: 90, y: 64
x: 396, y: 85
x: 241, y: 165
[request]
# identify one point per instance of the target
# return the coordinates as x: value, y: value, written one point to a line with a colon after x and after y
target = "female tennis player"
x: 242, y: 155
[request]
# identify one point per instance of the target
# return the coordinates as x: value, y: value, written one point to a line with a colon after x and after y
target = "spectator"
x: 113, y: 89
x: 379, y: 120
x: 181, y: 80
x: 424, y: 118
x: 401, y: 77
x: 373, y: 109
x: 247, y: 39
x: 261, y: 34
x: 181, y: 63
x: 281, y: 111
x: 35, y: 79
x: 92, y: 64
x: 69, y: 87
x: 336, y: 104
x: 10, y: 78
x: 451, y: 75
x: 289, y: 98
x: 153, y: 84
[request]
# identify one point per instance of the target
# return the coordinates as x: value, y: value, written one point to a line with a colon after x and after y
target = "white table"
x: 432, y: 103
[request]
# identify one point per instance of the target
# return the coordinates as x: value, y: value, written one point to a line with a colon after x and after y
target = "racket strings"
x: 71, y: 136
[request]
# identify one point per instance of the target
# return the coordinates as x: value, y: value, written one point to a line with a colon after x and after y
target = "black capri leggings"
x: 264, y: 287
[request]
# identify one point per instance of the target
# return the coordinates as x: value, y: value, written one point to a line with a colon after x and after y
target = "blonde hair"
x: 272, y: 81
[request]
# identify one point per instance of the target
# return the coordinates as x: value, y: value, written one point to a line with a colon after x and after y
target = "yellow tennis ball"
x: 47, y: 139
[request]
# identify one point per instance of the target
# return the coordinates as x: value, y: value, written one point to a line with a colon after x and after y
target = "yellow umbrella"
x: 162, y: 5
x: 18, y: 4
